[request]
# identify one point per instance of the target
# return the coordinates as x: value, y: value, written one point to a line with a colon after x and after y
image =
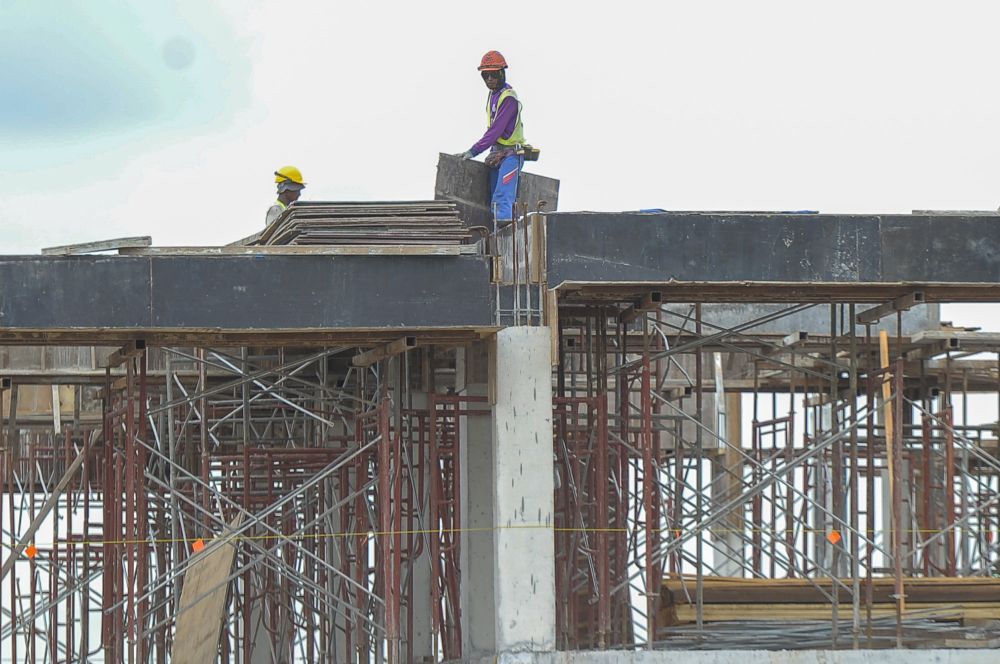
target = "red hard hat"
x: 492, y: 61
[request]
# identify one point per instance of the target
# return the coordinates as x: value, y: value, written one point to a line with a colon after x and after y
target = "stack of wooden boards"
x: 386, y: 228
x: 409, y: 223
x: 727, y: 599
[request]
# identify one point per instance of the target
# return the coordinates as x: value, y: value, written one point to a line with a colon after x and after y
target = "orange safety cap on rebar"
x: 198, y: 546
x: 31, y: 551
x: 833, y: 537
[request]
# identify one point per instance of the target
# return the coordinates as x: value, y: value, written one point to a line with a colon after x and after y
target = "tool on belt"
x: 529, y: 152
x: 496, y: 157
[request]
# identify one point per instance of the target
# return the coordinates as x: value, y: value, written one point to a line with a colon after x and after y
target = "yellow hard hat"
x: 288, y: 173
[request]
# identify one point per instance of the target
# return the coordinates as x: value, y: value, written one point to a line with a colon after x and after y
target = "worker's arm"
x: 502, y: 126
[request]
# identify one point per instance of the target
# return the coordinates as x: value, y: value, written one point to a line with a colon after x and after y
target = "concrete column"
x: 421, y: 571
x: 476, y: 477
x: 524, y: 564
x: 727, y: 474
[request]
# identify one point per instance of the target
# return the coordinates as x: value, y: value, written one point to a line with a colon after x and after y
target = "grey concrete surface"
x: 815, y: 320
x: 476, y: 480
x: 523, y: 486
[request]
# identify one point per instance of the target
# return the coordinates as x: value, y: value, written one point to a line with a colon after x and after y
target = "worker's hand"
x: 464, y: 156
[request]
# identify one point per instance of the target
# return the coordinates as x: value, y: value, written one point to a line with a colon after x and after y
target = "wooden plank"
x: 726, y: 590
x: 310, y: 250
x: 101, y: 245
x: 552, y: 321
x: 883, y: 345
x: 13, y: 437
x: 370, y: 357
x: 751, y: 612
x: 972, y: 643
x: 336, y: 223
x: 203, y: 601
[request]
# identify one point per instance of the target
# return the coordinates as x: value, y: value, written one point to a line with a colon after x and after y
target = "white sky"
x: 841, y: 107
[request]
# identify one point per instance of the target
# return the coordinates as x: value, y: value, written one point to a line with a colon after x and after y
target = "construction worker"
x: 504, y: 136
x: 290, y: 186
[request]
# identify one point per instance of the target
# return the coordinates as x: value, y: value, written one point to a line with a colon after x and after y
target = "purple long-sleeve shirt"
x: 505, y: 119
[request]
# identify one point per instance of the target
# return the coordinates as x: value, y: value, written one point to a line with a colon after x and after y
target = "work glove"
x: 464, y: 156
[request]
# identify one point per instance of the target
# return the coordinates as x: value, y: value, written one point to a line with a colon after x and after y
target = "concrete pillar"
x: 423, y: 647
x: 476, y: 478
x: 727, y: 474
x: 524, y: 563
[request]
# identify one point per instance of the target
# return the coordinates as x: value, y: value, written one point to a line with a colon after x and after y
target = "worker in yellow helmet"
x: 290, y: 186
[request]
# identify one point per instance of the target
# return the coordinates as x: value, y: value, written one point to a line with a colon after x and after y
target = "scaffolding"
x: 839, y: 486
x: 737, y: 481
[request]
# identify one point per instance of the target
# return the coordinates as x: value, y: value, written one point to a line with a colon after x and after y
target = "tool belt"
x: 498, y: 154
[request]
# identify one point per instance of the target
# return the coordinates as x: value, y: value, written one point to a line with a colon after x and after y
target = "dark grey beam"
x: 795, y: 248
x: 244, y: 293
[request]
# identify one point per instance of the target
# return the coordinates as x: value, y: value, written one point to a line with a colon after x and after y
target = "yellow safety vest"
x: 516, y: 136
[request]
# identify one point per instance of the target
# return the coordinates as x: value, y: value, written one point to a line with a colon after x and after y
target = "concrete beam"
x: 659, y: 247
x: 243, y: 293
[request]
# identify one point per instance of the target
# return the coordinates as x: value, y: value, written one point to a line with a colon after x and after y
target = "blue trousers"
x: 503, y: 185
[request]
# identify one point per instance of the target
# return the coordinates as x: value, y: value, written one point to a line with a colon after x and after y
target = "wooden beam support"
x: 794, y: 339
x: 552, y: 320
x: 370, y: 357
x: 651, y: 301
x: 934, y: 348
x: 901, y: 303
x: 126, y: 352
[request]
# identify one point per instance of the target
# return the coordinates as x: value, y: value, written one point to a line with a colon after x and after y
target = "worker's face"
x: 289, y: 196
x: 493, y: 79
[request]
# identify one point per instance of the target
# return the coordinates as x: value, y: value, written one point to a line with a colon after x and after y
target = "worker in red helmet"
x: 504, y: 136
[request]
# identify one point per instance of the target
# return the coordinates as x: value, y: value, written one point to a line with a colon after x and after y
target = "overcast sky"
x: 168, y: 119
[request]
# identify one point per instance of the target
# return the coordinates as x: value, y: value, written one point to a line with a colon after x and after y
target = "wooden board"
x: 313, y: 250
x: 754, y: 612
x: 727, y: 590
x: 102, y: 245
x: 310, y: 223
x: 203, y: 601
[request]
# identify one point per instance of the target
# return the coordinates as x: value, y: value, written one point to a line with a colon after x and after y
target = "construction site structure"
x: 395, y: 432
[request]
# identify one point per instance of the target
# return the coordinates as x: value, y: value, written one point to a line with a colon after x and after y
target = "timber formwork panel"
x: 243, y: 294
x: 796, y: 248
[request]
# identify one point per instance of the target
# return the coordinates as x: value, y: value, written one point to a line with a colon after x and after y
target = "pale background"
x: 168, y: 118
